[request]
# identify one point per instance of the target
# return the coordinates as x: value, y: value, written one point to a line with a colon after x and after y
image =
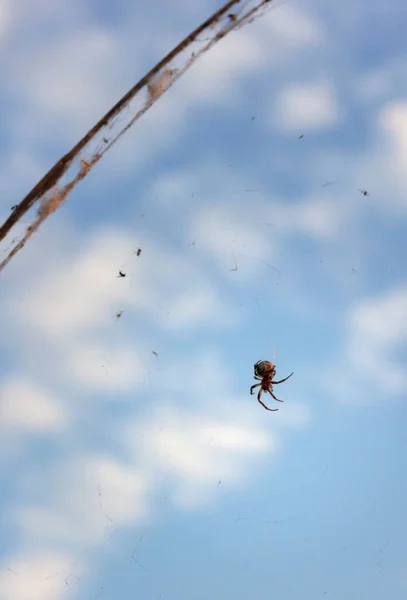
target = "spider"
x: 265, y: 370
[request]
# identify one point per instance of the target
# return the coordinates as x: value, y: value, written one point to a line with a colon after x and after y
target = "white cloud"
x: 221, y: 227
x: 75, y: 330
x: 124, y: 490
x: 235, y: 231
x: 27, y: 407
x: 292, y: 26
x: 188, y: 452
x: 54, y: 525
x: 232, y: 233
x: 23, y: 12
x: 4, y: 18
x: 92, y: 273
x: 382, y: 319
x: 374, y: 84
x: 72, y: 82
x: 105, y: 369
x: 15, y: 16
x: 319, y: 217
x: 196, y: 307
x: 160, y: 283
x: 81, y: 498
x: 376, y: 328
x: 195, y: 449
x: 185, y: 451
x: 380, y: 169
x: 382, y: 82
x: 172, y: 189
x: 393, y: 120
x: 305, y: 107
x: 393, y: 123
x: 39, y: 576
x: 85, y: 505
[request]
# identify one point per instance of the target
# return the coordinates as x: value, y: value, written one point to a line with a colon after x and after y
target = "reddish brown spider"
x: 265, y: 370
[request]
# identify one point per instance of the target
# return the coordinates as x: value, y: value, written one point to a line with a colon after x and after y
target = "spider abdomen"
x: 264, y: 368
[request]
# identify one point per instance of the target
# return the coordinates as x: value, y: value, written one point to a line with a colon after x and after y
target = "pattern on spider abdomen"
x: 263, y: 368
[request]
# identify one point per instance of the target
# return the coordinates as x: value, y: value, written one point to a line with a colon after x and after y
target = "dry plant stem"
x: 46, y: 190
x: 56, y: 172
x: 49, y: 205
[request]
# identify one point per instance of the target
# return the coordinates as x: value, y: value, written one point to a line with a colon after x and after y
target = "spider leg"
x: 254, y: 386
x: 266, y: 407
x: 270, y: 392
x: 262, y: 403
x: 282, y: 380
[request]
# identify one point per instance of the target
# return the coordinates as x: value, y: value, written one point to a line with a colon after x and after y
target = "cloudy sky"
x: 134, y: 463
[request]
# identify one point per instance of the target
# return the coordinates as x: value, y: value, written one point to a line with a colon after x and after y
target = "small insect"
x: 155, y: 353
x: 138, y: 252
x: 301, y: 136
x: 364, y: 192
x: 265, y: 370
x: 119, y: 314
x: 121, y: 274
x: 233, y: 16
x: 14, y: 207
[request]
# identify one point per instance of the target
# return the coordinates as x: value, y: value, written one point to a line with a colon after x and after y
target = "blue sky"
x: 125, y: 474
